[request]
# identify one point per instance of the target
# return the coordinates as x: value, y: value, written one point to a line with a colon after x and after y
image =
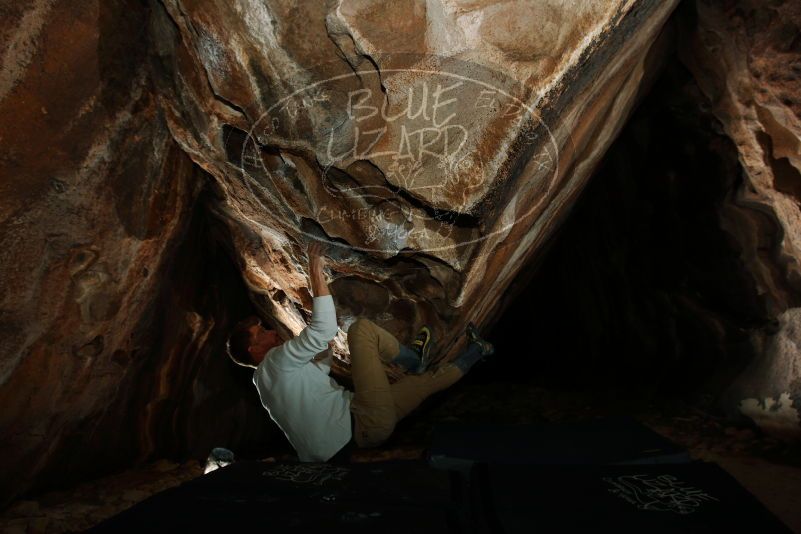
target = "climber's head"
x: 250, y: 342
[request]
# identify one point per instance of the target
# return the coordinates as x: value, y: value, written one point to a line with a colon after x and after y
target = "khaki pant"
x: 377, y: 406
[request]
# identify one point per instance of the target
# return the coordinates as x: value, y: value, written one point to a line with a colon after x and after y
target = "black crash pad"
x: 402, y: 496
x: 599, y: 442
x: 694, y: 497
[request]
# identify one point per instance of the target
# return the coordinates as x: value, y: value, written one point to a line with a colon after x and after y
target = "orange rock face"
x: 95, y: 194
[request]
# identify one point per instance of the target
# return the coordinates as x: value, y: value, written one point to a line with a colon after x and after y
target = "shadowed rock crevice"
x: 191, y: 383
x: 641, y: 288
x: 786, y: 178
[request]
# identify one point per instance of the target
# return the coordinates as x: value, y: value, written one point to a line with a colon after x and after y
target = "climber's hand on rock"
x: 315, y: 253
x: 316, y: 264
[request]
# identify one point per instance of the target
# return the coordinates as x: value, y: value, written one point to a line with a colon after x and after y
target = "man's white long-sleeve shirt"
x: 308, y: 405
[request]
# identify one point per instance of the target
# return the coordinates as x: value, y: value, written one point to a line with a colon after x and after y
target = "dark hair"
x: 239, y: 341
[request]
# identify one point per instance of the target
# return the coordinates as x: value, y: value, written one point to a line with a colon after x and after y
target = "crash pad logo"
x: 663, y: 493
x: 309, y: 474
x: 416, y: 156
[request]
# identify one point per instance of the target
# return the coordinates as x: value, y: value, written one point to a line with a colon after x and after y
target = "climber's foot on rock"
x: 487, y: 348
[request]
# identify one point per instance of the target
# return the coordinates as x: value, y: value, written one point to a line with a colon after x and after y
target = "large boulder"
x: 434, y: 146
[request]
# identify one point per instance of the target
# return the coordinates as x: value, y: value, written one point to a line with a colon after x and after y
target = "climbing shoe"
x: 422, y: 346
x: 487, y: 348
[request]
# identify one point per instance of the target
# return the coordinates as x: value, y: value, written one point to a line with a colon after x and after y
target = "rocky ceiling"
x: 164, y: 164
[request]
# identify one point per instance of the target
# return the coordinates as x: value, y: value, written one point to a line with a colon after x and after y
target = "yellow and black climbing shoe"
x: 422, y: 346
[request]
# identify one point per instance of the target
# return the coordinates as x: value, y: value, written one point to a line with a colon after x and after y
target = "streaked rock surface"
x: 434, y: 146
x: 101, y: 361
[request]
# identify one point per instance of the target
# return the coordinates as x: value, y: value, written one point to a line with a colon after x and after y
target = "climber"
x: 321, y: 419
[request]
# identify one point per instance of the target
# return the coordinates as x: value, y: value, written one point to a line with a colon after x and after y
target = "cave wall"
x: 746, y: 57
x: 99, y: 366
x: 165, y: 163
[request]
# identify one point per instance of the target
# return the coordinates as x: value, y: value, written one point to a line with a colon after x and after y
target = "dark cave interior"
x: 641, y: 289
